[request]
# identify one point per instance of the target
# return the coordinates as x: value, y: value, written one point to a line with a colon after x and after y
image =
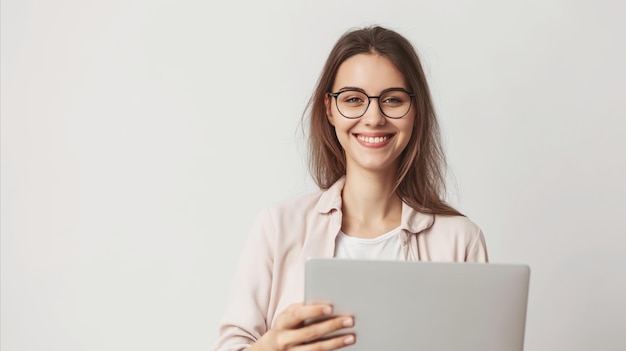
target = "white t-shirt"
x: 387, y: 246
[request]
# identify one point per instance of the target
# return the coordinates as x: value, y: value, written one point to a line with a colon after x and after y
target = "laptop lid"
x: 404, y: 305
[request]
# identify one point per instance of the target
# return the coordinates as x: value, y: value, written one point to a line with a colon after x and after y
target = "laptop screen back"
x: 400, y: 305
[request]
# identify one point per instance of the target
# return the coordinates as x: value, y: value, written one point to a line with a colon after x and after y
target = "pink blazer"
x: 270, y: 273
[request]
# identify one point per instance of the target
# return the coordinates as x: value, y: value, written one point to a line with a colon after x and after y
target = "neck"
x: 370, y: 204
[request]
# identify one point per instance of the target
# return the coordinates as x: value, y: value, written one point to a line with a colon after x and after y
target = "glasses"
x: 393, y: 103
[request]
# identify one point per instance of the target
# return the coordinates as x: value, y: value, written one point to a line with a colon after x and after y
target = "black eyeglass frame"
x: 369, y: 101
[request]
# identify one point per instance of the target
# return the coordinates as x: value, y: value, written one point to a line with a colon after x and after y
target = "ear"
x: 329, y: 112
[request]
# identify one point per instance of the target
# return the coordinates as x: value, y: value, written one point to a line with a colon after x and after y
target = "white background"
x: 140, y: 138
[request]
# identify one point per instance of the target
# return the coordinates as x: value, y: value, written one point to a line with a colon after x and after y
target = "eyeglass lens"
x: 354, y: 104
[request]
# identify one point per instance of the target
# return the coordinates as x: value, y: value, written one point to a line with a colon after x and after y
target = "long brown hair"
x: 420, y: 180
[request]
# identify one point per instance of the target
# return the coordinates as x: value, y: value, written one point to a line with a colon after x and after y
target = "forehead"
x: 370, y: 72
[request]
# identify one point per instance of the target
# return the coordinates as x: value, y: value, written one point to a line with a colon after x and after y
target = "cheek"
x: 342, y: 124
x: 342, y: 132
x: 408, y: 132
x: 406, y: 126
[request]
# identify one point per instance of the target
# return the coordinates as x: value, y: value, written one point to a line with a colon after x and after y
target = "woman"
x: 376, y: 156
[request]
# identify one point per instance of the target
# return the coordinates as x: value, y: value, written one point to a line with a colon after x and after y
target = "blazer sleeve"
x: 477, y: 249
x: 245, y: 320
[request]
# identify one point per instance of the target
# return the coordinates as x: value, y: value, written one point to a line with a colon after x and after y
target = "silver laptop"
x: 427, y: 306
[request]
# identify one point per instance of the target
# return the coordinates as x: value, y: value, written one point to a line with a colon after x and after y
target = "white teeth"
x: 373, y: 140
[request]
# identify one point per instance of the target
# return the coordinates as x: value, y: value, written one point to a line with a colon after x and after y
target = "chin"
x: 372, y: 167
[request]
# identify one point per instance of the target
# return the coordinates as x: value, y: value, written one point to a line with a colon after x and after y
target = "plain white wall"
x: 140, y: 138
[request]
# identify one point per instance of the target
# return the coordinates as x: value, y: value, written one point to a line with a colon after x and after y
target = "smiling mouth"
x: 373, y: 140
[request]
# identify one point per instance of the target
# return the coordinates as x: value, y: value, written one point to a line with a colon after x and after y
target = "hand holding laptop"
x: 290, y: 331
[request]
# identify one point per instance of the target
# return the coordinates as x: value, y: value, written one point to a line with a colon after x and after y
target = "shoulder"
x: 314, y: 202
x: 437, y: 224
x: 289, y: 224
x: 455, y: 238
x: 454, y: 228
x: 458, y: 224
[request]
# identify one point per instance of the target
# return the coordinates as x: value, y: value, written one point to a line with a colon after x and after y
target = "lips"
x: 377, y: 140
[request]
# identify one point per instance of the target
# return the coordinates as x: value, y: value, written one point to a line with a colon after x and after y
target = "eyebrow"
x: 381, y: 93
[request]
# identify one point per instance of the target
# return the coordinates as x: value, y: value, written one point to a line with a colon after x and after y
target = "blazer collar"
x: 412, y: 220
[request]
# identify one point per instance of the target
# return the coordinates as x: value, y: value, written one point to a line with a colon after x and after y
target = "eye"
x: 352, y: 98
x: 395, y: 99
x: 392, y: 100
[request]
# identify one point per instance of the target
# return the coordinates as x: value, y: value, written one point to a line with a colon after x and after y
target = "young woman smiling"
x: 376, y: 155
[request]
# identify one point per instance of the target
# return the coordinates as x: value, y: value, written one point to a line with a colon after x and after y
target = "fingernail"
x: 348, y: 340
x: 348, y: 322
x: 327, y: 310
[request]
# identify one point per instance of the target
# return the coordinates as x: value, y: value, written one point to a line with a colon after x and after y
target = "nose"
x: 374, y: 116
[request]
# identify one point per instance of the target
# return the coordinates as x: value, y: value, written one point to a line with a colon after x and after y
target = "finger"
x: 316, y: 331
x: 294, y: 315
x: 334, y: 343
